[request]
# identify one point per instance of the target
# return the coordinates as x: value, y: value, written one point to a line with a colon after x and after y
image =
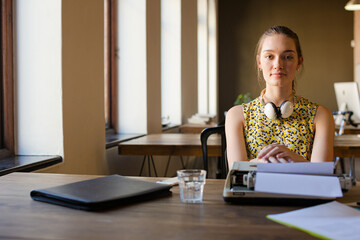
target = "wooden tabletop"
x: 194, y: 128
x: 348, y: 129
x: 164, y: 218
x: 175, y: 144
x: 347, y: 145
x: 189, y: 144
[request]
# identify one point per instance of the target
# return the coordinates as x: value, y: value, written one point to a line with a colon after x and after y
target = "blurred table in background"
x: 169, y: 144
x: 194, y: 128
x: 348, y: 129
x: 347, y: 145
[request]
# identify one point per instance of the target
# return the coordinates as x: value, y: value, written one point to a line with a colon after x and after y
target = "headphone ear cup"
x: 286, y: 109
x: 270, y: 110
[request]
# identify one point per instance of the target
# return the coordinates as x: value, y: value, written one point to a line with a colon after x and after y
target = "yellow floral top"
x: 296, y: 132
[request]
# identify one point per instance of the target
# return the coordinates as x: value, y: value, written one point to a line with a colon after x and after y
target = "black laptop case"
x: 101, y: 193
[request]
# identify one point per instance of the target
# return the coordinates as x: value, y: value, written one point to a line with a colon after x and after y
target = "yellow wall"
x: 83, y: 87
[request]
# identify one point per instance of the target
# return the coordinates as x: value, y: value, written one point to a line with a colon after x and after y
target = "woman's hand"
x: 270, y: 160
x: 278, y: 153
x: 256, y: 160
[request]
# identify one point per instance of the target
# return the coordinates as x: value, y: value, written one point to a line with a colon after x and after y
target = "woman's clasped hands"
x: 277, y: 153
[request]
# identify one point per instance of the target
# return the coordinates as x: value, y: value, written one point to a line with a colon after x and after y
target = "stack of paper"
x: 330, y: 220
x: 201, y: 118
x: 305, y: 179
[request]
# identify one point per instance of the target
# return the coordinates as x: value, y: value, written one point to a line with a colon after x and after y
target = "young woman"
x: 279, y: 126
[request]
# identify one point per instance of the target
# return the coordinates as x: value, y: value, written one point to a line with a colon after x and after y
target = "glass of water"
x: 191, y: 183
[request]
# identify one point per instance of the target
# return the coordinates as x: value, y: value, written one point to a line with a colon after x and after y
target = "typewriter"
x: 240, y: 183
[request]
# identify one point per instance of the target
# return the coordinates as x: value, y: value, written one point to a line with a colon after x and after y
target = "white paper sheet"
x: 324, y: 168
x: 298, y: 184
x: 331, y: 220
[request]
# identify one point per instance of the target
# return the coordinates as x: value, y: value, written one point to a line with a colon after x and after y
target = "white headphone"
x: 271, y: 111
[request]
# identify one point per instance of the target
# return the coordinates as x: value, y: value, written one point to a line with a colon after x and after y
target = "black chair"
x: 222, y: 163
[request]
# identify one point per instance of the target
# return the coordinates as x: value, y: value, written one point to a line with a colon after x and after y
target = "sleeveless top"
x: 296, y: 132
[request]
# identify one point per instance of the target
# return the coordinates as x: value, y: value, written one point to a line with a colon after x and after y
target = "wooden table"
x: 175, y: 144
x: 188, y: 144
x: 194, y: 128
x: 347, y: 145
x: 164, y: 218
x: 169, y: 144
x: 348, y: 129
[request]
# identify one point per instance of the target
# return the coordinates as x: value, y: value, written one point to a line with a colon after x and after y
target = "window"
x: 207, y: 57
x: 171, y: 61
x: 145, y: 82
x: 7, y: 84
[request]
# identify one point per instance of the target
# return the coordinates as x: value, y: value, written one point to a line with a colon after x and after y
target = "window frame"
x: 111, y: 66
x: 7, y: 147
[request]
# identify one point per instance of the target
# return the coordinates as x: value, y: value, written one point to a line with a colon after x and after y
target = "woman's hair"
x: 272, y: 31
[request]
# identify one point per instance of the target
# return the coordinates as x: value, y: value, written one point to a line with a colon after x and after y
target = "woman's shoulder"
x: 324, y: 118
x: 235, y: 114
x: 235, y: 110
x: 241, y: 109
x: 321, y: 112
x: 324, y: 111
x: 305, y: 101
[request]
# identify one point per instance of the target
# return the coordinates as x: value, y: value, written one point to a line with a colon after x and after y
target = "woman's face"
x: 278, y: 60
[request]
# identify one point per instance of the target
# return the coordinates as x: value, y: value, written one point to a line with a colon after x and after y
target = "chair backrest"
x: 223, y: 167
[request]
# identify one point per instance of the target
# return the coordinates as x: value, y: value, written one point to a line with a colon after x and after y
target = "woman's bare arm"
x: 235, y: 142
x: 323, y: 147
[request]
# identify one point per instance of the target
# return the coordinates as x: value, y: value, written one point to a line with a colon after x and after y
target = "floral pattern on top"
x: 296, y: 132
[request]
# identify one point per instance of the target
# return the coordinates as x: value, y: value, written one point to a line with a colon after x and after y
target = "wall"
x: 60, y: 47
x: 60, y: 80
x: 189, y: 65
x: 60, y: 83
x: 83, y: 86
x: 325, y: 33
x: 357, y: 46
x: 140, y: 90
x: 153, y: 66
